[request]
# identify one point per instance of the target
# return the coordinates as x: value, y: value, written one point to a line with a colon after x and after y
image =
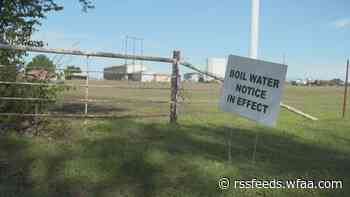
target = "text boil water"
x: 259, y: 93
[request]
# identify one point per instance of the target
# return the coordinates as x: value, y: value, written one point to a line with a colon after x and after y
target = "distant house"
x: 161, y: 77
x: 40, y: 74
x: 299, y: 82
x: 147, y: 77
x: 155, y: 77
x: 337, y: 82
x: 309, y: 82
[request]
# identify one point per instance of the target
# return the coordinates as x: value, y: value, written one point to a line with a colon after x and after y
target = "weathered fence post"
x: 175, y: 79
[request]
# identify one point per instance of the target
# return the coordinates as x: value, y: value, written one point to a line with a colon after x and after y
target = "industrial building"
x: 133, y: 72
x: 216, y: 66
x: 155, y: 77
x: 124, y: 72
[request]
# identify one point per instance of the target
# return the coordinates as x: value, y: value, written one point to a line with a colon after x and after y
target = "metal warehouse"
x: 124, y: 72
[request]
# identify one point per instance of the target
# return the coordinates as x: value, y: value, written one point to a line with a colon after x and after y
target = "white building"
x: 124, y: 72
x: 135, y: 72
x: 216, y: 66
x: 156, y: 77
x: 147, y: 77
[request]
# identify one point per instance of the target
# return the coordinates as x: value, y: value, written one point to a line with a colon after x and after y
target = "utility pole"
x: 134, y: 43
x: 126, y: 49
x: 133, y: 53
x: 141, y: 55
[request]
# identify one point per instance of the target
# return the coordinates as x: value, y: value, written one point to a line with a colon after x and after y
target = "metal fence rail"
x: 82, y: 85
x: 87, y: 54
x: 53, y: 115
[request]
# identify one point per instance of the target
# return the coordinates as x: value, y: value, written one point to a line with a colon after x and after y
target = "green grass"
x: 149, y: 157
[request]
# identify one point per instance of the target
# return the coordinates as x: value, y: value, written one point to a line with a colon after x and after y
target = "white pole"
x: 253, y: 52
x: 254, y: 39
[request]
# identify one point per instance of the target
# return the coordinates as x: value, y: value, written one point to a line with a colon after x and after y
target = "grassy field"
x: 149, y: 157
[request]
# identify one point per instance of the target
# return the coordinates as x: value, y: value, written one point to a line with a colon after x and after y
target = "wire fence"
x: 149, y: 95
x: 112, y: 98
x: 87, y: 98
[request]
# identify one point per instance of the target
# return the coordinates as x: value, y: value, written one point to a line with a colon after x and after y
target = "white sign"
x: 253, y: 89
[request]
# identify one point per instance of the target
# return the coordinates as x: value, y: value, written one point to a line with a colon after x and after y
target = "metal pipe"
x: 292, y: 109
x: 83, y: 86
x: 83, y: 115
x: 90, y: 71
x: 26, y: 99
x: 84, y: 100
x: 191, y: 66
x: 83, y: 53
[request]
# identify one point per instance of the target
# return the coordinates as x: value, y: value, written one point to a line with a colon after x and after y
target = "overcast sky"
x: 313, y: 35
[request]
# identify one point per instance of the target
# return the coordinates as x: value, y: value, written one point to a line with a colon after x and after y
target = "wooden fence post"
x: 175, y: 79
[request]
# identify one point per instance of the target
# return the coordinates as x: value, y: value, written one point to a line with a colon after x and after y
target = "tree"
x: 41, y: 62
x: 70, y: 70
x: 18, y: 20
